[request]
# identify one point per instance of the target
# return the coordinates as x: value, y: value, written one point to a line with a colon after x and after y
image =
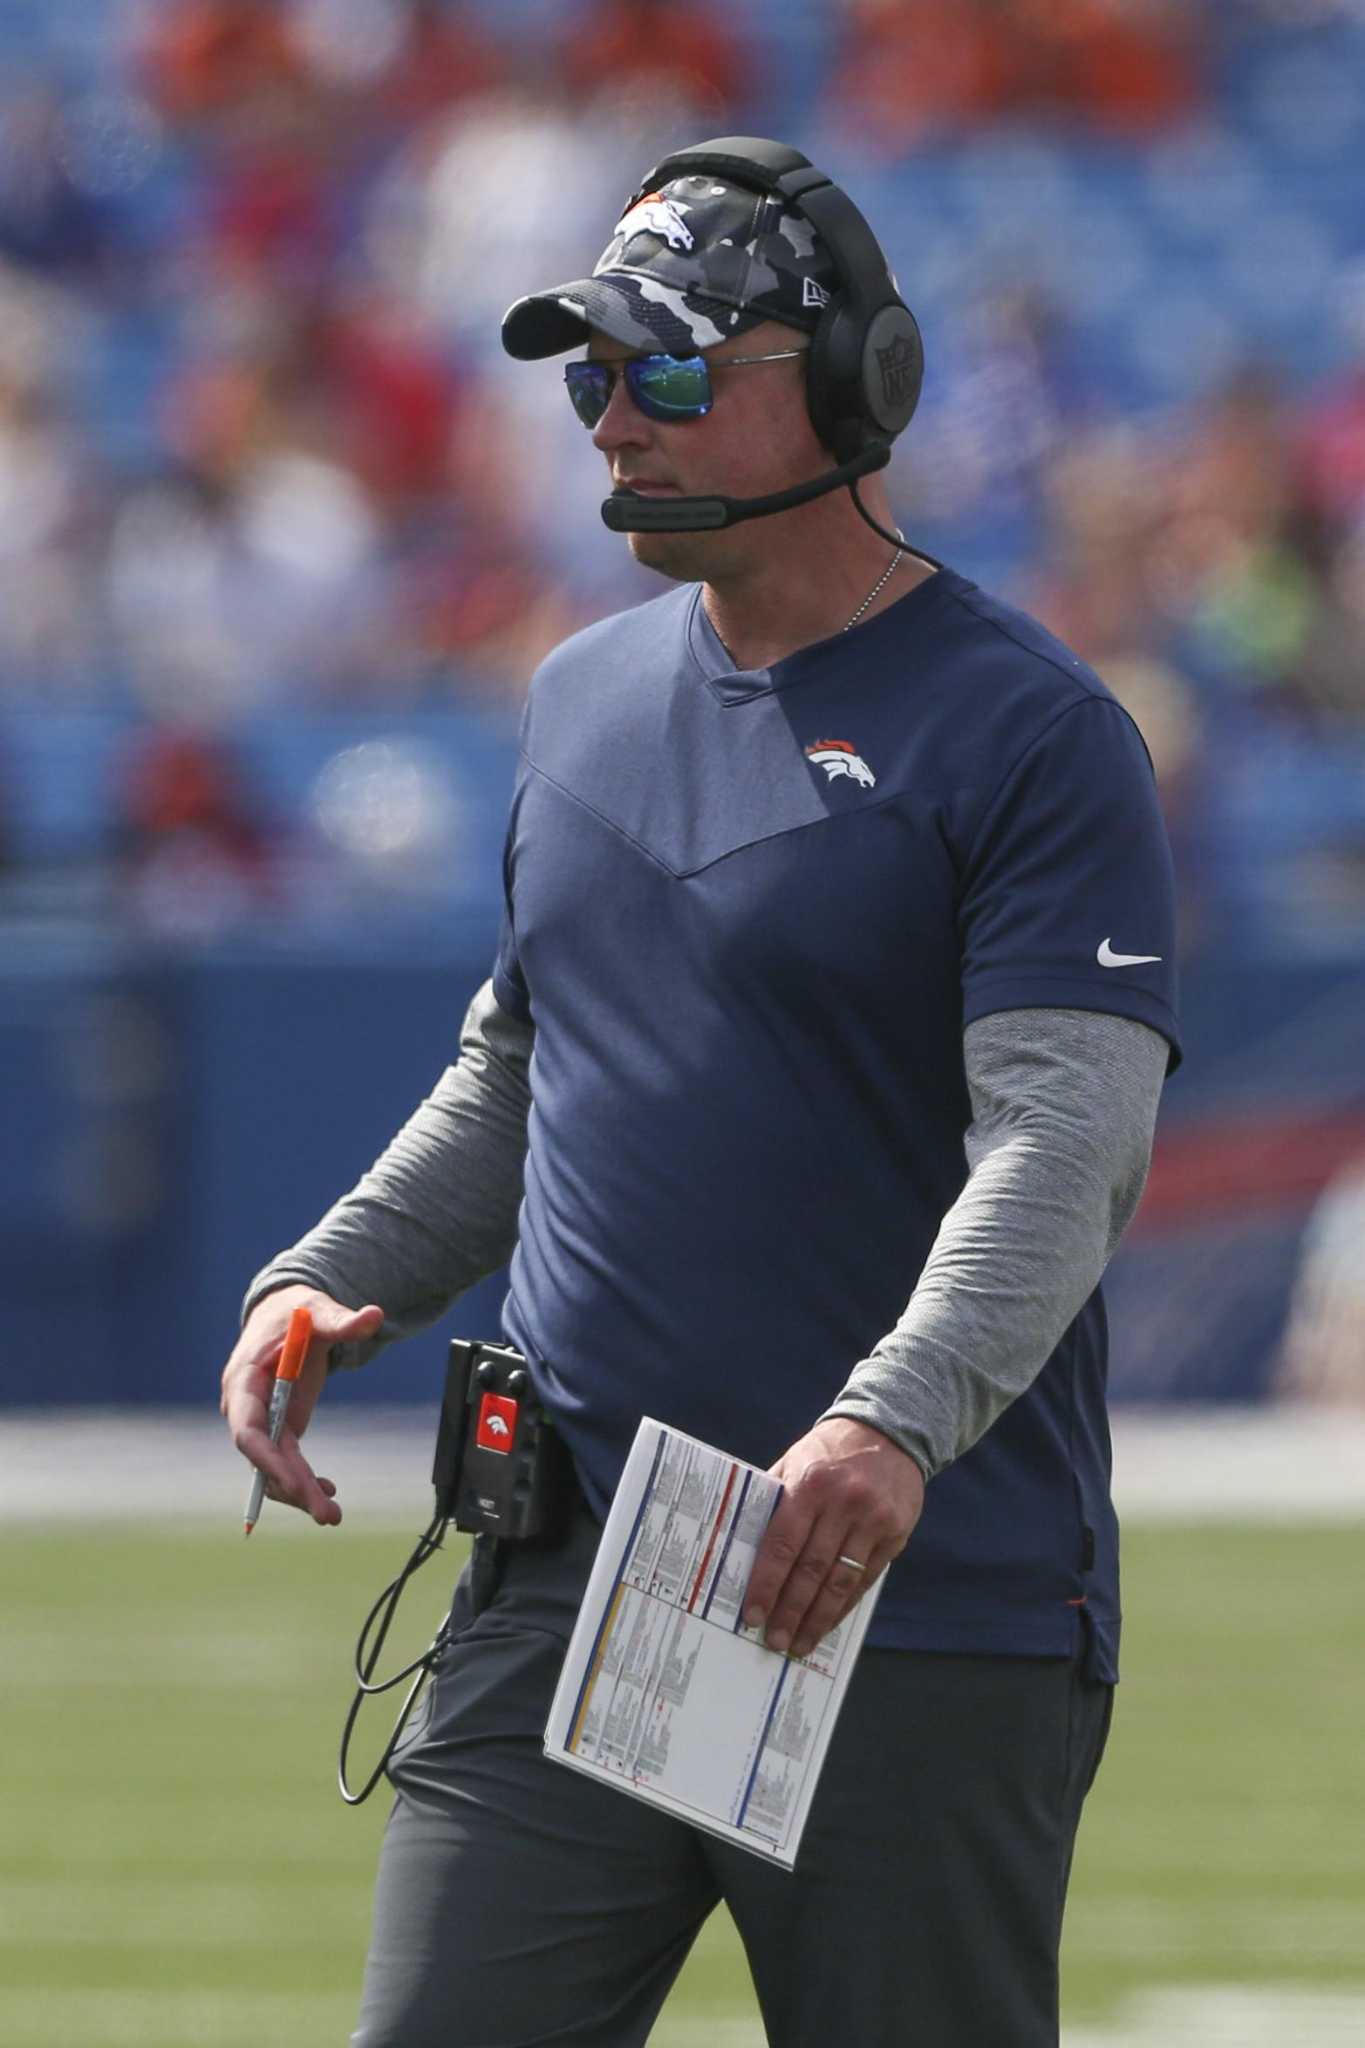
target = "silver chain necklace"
x: 880, y: 583
x: 875, y: 592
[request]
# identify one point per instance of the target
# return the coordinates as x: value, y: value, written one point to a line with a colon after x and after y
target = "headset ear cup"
x: 891, y: 369
x: 834, y: 384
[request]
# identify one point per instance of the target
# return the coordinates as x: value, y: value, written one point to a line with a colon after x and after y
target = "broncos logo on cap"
x: 841, y: 757
x: 655, y: 215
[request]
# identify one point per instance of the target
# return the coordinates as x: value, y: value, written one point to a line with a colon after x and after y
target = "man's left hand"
x: 850, y: 1497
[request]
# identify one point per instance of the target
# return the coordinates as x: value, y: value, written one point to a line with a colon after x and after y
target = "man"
x: 813, y: 1087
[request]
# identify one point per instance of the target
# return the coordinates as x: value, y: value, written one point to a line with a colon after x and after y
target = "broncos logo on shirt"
x: 841, y: 757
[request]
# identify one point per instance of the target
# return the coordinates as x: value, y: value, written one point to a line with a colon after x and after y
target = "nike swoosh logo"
x: 1108, y: 958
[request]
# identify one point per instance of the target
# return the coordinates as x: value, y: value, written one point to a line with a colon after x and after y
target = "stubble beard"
x: 683, y: 557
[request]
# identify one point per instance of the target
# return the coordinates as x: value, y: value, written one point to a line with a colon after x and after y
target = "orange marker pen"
x: 297, y: 1339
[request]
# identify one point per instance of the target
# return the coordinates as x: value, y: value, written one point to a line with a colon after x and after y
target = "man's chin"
x: 670, y: 554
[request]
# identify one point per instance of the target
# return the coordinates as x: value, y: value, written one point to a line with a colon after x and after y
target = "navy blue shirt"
x: 749, y: 915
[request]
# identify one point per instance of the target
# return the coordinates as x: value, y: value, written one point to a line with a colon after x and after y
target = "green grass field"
x: 177, y: 1871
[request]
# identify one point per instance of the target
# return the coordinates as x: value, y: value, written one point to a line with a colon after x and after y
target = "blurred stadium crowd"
x: 283, y: 534
x: 260, y: 454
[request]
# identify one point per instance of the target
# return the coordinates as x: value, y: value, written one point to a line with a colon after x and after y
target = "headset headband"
x: 775, y: 168
x: 867, y: 360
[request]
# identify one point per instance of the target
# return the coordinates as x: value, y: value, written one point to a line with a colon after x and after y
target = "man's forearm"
x: 438, y: 1210
x: 1063, y: 1108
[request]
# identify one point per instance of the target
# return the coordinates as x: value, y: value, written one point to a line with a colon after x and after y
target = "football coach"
x: 810, y: 1093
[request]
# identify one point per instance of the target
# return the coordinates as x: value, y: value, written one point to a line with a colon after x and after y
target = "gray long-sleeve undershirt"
x: 1063, y: 1108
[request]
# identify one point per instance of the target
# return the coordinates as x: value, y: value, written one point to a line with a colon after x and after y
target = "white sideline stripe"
x: 1209, y: 2016
x: 84, y: 1464
x: 1288, y: 1461
x: 1231, y: 2016
x: 1206, y: 2016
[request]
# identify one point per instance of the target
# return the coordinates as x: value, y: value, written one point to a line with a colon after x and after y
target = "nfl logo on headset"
x: 897, y: 366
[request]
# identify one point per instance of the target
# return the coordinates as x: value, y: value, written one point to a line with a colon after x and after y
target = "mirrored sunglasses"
x: 663, y: 387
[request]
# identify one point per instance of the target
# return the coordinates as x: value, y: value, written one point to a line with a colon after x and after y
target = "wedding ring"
x: 852, y: 1563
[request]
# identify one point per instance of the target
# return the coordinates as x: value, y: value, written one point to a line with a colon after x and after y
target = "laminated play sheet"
x: 665, y: 1693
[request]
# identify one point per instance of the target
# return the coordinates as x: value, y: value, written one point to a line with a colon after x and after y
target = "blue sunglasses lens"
x: 670, y: 387
x: 589, y: 386
x: 664, y: 387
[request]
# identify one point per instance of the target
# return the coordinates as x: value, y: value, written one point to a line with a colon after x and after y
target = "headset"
x: 866, y: 355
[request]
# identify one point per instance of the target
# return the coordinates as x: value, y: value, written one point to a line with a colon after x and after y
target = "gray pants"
x: 520, y: 1903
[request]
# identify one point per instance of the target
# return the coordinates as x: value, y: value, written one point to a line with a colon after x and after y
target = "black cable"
x: 897, y: 540
x: 367, y: 1655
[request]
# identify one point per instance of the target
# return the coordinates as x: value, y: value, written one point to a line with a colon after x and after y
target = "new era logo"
x: 813, y: 294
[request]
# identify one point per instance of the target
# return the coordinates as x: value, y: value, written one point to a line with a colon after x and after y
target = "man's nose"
x: 622, y: 425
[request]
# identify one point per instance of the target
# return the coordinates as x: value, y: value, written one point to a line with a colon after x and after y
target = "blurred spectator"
x: 1125, y: 66
x: 475, y: 205
x: 49, y: 504
x: 444, y: 56
x: 1007, y: 387
x: 347, y: 377
x: 1331, y: 662
x: 194, y: 860
x: 273, y: 456
x: 489, y: 607
x: 1226, y: 558
x: 386, y: 401
x: 48, y: 222
x: 468, y: 613
x: 1233, y: 466
x: 1203, y: 541
x: 343, y: 523
x: 1332, y: 452
x: 216, y: 60
x: 1323, y: 1356
x: 1099, y: 496
x: 654, y: 54
x: 911, y: 70
x: 1103, y: 495
x: 273, y: 202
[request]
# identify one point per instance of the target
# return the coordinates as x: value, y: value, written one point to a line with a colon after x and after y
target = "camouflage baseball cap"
x: 689, y: 265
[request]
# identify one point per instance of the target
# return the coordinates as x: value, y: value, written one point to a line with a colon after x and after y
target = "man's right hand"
x: 249, y: 1375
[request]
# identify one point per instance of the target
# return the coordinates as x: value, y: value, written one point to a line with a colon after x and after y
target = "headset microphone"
x: 630, y: 512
